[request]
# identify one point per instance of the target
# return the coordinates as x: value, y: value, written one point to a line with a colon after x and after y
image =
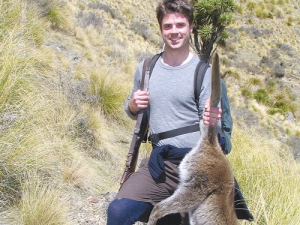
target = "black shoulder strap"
x: 200, y: 71
x: 153, y: 61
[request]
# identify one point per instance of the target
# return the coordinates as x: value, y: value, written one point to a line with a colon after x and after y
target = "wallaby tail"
x: 215, y: 82
x: 215, y: 96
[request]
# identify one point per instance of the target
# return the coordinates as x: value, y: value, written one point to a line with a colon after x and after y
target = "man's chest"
x: 171, y: 88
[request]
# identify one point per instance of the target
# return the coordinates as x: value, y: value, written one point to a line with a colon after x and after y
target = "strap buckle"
x: 154, y: 138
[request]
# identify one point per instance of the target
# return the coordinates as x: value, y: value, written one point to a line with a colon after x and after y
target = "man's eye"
x: 181, y: 25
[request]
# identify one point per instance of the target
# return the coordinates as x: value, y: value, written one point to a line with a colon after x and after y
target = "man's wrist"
x: 130, y: 108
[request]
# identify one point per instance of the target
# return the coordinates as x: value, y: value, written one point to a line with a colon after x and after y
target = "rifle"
x: 140, y: 129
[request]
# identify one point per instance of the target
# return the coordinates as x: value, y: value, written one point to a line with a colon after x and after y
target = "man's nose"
x: 174, y: 29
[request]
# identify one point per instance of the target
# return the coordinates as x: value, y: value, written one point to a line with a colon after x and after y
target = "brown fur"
x: 206, y: 188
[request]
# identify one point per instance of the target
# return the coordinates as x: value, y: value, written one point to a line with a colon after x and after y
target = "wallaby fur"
x: 206, y: 188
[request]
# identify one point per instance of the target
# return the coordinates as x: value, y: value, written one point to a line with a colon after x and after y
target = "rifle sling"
x: 143, y: 87
x: 173, y: 133
x: 145, y: 75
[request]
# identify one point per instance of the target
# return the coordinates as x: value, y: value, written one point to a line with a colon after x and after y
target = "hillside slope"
x: 67, y: 67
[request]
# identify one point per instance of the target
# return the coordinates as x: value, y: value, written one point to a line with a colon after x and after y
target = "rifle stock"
x: 140, y: 131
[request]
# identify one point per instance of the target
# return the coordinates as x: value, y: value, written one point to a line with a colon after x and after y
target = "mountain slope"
x: 66, y: 68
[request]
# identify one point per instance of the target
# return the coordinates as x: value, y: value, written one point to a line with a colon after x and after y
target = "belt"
x: 154, y: 138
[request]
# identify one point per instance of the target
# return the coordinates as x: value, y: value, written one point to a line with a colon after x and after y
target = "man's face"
x: 175, y: 30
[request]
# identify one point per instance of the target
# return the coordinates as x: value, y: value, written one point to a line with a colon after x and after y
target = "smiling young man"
x: 171, y: 105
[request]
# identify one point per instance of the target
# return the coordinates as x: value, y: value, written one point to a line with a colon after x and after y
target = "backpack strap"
x: 200, y: 71
x: 148, y: 66
x: 154, y: 60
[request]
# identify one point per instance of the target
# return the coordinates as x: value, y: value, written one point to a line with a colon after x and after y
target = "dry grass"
x: 267, y: 174
x: 47, y: 117
x: 63, y: 81
x: 42, y: 202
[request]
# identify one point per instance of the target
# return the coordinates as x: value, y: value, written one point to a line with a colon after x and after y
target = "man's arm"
x: 137, y: 99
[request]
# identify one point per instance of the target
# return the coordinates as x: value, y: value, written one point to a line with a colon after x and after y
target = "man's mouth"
x: 174, y: 39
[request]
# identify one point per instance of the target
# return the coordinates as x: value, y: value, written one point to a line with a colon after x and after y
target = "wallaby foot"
x: 177, y: 203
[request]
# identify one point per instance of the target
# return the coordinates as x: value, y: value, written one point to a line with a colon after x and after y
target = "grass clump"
x: 56, y: 12
x: 231, y: 73
x: 266, y: 174
x: 262, y: 96
x: 109, y: 90
x: 254, y: 81
x: 271, y: 85
x: 41, y: 203
x: 246, y: 93
x: 251, y: 5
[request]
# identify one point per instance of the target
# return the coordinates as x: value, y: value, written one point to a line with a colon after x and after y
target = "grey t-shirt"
x: 172, y: 103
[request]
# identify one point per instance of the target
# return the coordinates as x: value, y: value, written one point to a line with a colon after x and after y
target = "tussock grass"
x: 110, y: 90
x: 64, y: 77
x: 56, y: 13
x: 268, y: 176
x: 40, y: 204
x: 36, y: 117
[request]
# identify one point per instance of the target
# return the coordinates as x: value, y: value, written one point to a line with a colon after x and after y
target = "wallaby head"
x: 206, y: 188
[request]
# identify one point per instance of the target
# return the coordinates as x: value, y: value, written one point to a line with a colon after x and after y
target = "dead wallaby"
x: 206, y: 188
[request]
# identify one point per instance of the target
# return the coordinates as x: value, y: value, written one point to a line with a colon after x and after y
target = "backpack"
x: 226, y: 119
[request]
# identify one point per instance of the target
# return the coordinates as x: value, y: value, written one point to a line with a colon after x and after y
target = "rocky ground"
x: 91, y: 210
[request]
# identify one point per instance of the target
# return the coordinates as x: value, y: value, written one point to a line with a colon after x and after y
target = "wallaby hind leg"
x: 177, y: 203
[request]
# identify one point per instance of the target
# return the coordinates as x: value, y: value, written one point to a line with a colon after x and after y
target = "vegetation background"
x: 66, y: 68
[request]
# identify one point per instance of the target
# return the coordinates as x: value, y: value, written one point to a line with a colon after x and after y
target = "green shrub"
x: 263, y: 14
x: 262, y: 96
x: 280, y: 97
x: 246, y: 93
x: 251, y: 5
x: 254, y: 81
x: 285, y: 106
x: 249, y: 21
x: 231, y: 74
x: 272, y: 111
x: 239, y: 9
x: 282, y: 106
x: 271, y: 85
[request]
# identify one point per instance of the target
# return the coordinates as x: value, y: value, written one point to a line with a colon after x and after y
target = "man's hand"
x: 211, y: 115
x: 139, y: 100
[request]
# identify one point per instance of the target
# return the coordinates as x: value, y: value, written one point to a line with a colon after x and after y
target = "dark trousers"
x: 126, y: 212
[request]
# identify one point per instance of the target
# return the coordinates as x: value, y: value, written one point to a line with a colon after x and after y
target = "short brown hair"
x: 172, y: 6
